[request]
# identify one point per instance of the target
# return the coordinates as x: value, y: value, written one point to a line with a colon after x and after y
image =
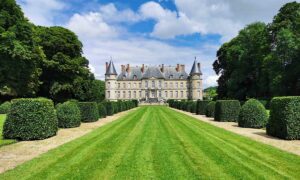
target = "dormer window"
x: 171, y: 77
x: 181, y: 77
x: 134, y: 77
x: 124, y: 77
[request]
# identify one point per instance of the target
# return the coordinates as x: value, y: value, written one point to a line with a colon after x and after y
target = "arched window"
x: 124, y: 77
x: 171, y: 76
x: 181, y: 77
x: 134, y: 77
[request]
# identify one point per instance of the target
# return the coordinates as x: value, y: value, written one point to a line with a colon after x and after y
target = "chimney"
x: 122, y: 68
x: 106, y: 66
x: 162, y: 68
x: 143, y: 68
x: 198, y: 64
x: 128, y: 68
x: 182, y: 67
x: 177, y: 68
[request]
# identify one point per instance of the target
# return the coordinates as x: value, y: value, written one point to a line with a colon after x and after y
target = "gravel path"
x: 18, y: 153
x: 255, y: 134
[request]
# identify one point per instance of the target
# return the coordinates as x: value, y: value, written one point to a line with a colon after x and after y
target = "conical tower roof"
x: 111, y: 70
x: 196, y: 68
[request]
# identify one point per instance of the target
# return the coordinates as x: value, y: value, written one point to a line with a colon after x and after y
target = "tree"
x: 210, y: 93
x: 19, y: 53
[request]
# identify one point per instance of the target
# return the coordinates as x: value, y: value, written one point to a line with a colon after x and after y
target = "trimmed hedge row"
x: 31, y: 119
x: 284, y: 121
x: 227, y: 110
x: 68, y: 115
x: 210, y: 109
x: 201, y: 106
x: 5, y: 107
x: 89, y: 111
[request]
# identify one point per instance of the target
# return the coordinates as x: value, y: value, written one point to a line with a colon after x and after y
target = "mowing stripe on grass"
x: 155, y: 142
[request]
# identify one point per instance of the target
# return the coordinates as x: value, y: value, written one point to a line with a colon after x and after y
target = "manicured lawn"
x: 159, y: 143
x: 4, y: 141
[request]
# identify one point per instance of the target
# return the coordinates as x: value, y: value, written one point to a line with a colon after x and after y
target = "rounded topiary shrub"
x: 31, y: 119
x: 253, y: 115
x: 5, y: 107
x: 102, y: 110
x: 68, y: 115
x: 89, y: 111
x: 210, y: 109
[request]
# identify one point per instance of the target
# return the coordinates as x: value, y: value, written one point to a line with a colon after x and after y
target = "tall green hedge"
x: 210, y: 109
x: 31, y: 119
x: 102, y: 110
x: 89, y: 111
x: 5, y: 107
x: 194, y: 107
x: 253, y: 115
x: 227, y: 110
x: 284, y: 121
x: 109, y: 108
x: 68, y: 115
x: 201, y: 106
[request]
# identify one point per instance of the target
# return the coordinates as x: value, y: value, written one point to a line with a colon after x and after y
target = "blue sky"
x: 152, y: 32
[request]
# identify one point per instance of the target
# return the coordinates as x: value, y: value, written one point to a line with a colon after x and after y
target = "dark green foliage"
x: 5, y: 107
x: 135, y: 102
x: 31, y: 119
x: 210, y: 109
x: 194, y: 107
x: 115, y: 107
x: 89, y: 111
x: 253, y: 115
x: 227, y: 110
x: 102, y: 110
x: 109, y: 108
x: 201, y: 106
x: 68, y: 115
x: 284, y: 121
x: 265, y: 103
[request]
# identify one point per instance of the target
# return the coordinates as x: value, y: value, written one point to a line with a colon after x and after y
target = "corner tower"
x: 110, y: 82
x: 195, y: 81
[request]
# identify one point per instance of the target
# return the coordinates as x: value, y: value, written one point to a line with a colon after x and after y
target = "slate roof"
x: 195, y: 69
x: 111, y: 69
x: 153, y: 71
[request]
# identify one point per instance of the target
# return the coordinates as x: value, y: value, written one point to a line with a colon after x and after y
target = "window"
x: 124, y: 77
x: 159, y: 94
x: 171, y: 94
x: 134, y: 94
x: 134, y: 85
x: 124, y: 85
x: 146, y: 84
x: 124, y: 94
x: 176, y: 94
x: 134, y: 77
x: 153, y: 84
x: 181, y: 84
x: 199, y: 94
x: 140, y: 85
x: 129, y: 94
x: 166, y: 94
x: 140, y: 94
x: 129, y: 85
x: 176, y: 85
x: 108, y: 94
x: 108, y: 84
x: 171, y: 85
x: 181, y: 77
x: 159, y: 84
x: 198, y: 84
x: 119, y: 94
x: 119, y: 85
x: 181, y: 94
x: 166, y: 85
x: 171, y: 76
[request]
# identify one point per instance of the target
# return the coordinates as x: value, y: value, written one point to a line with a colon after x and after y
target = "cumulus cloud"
x: 42, y: 12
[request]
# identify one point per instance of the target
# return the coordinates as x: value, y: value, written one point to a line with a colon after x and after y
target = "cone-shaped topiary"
x: 68, y: 115
x: 253, y: 115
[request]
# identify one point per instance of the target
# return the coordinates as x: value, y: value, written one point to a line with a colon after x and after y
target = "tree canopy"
x: 42, y: 61
x: 263, y: 60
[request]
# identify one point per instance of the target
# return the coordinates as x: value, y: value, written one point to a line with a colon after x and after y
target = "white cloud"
x: 210, y: 80
x: 42, y: 12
